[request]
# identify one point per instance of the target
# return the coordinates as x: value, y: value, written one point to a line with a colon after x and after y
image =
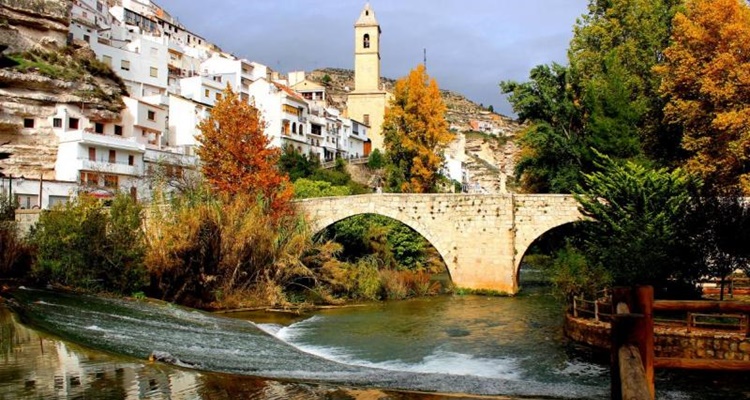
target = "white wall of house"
x: 184, y: 117
x: 201, y: 89
x: 145, y: 122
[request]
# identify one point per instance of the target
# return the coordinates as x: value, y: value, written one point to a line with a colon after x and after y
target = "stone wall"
x: 668, y: 341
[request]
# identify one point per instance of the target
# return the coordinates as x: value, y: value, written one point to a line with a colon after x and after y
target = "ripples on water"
x: 480, y: 345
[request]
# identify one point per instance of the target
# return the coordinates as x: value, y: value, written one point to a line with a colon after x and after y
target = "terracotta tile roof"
x: 289, y: 91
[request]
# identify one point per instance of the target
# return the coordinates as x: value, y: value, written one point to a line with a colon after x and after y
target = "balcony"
x: 95, y: 139
x: 104, y: 166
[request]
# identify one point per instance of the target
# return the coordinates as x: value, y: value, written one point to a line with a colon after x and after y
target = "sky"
x: 472, y: 45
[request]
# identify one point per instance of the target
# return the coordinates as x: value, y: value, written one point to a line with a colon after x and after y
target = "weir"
x: 481, y: 238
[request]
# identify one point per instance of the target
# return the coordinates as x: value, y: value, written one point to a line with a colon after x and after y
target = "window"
x: 218, y: 96
x: 57, y: 200
x: 207, y: 93
x: 131, y: 159
x: 27, y: 201
x: 301, y: 129
x: 366, y: 41
x: 294, y: 127
x: 57, y: 122
x: 92, y: 154
x: 154, y: 72
x: 151, y: 115
x: 125, y: 65
x: 110, y: 181
x: 28, y: 122
x: 366, y: 118
x: 112, y: 156
x: 99, y: 127
x: 89, y: 178
x: 107, y: 60
x: 99, y: 6
x: 73, y: 123
x: 118, y: 130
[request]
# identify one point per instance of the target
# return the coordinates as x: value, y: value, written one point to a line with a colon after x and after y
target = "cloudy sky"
x: 471, y: 45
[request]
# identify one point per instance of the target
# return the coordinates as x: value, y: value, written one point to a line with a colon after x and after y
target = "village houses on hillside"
x: 173, y: 77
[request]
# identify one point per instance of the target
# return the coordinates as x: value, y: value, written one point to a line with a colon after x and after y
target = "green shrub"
x: 306, y: 188
x: 82, y: 245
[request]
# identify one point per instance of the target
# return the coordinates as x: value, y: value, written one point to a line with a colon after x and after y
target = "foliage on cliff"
x: 415, y: 134
x: 706, y: 82
x: 236, y: 156
x: 96, y: 82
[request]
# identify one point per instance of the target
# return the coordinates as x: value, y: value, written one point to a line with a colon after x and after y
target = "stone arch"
x: 521, y: 255
x: 442, y: 248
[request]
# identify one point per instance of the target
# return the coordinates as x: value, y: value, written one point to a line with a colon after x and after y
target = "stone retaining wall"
x: 668, y: 341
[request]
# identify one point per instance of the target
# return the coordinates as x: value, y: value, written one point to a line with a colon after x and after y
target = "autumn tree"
x: 236, y: 155
x: 415, y: 133
x: 706, y: 81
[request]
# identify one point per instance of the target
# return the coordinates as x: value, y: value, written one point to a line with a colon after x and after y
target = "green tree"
x: 297, y: 165
x: 552, y: 146
x: 376, y: 160
x: 641, y: 233
x: 606, y: 99
x: 722, y: 224
x: 415, y: 134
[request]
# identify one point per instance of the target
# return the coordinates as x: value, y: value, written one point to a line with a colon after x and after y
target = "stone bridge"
x: 481, y: 238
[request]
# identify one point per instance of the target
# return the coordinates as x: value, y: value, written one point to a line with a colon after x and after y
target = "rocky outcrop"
x: 39, y: 72
x: 34, y: 24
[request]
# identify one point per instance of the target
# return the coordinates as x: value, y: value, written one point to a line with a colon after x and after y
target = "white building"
x: 285, y: 113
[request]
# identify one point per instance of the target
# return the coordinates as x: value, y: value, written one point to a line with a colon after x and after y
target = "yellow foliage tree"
x: 415, y: 134
x: 236, y: 156
x: 706, y: 82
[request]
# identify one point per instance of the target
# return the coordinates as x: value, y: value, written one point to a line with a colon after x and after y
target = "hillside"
x: 487, y: 138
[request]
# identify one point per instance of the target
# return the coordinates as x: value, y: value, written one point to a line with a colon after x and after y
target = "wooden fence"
x: 632, y: 338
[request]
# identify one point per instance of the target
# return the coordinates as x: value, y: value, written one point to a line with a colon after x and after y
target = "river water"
x: 85, y: 347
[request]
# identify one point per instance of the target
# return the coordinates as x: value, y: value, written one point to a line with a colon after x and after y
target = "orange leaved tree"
x: 415, y: 134
x: 236, y: 156
x: 706, y: 82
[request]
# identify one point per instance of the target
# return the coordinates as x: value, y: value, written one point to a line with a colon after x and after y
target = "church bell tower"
x: 367, y: 52
x: 367, y: 102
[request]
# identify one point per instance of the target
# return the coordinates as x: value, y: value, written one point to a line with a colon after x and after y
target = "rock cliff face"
x: 33, y: 24
x: 39, y: 72
x: 490, y: 159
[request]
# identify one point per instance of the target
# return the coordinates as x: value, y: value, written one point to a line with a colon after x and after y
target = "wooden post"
x: 645, y: 332
x: 596, y: 310
x: 689, y: 322
x: 619, y: 330
x: 632, y: 324
x: 575, y: 307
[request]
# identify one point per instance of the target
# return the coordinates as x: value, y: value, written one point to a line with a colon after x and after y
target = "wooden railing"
x: 599, y: 308
x: 632, y: 338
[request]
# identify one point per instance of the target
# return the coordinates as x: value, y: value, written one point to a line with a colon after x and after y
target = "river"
x: 86, y: 347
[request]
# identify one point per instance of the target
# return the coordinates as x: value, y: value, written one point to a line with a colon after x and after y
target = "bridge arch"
x: 321, y: 223
x: 481, y: 238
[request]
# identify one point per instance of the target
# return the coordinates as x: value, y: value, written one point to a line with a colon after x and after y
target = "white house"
x: 285, y: 113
